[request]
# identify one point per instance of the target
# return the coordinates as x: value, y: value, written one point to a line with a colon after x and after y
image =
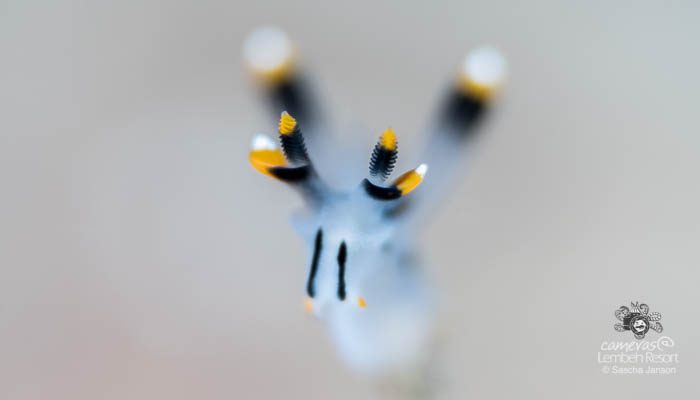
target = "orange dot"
x: 308, y: 305
x: 361, y: 302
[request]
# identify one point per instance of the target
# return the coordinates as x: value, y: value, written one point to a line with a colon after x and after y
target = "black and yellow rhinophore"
x: 384, y: 155
x: 382, y: 164
x: 292, y: 140
x: 291, y: 164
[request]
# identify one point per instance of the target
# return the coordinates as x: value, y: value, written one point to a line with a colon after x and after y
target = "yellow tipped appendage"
x: 411, y: 179
x: 264, y: 155
x: 270, y: 55
x: 361, y: 302
x: 287, y: 124
x: 482, y: 92
x: 483, y: 73
x: 263, y: 160
x: 388, y: 140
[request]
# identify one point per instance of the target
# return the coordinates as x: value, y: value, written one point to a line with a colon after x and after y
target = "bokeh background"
x: 142, y: 257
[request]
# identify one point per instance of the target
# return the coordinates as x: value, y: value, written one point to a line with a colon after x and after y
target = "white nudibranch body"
x: 362, y: 280
x: 363, y: 276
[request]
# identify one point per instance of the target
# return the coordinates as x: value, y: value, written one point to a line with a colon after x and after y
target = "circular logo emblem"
x: 639, y: 324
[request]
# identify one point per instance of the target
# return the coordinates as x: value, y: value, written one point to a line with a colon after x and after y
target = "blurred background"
x: 142, y: 257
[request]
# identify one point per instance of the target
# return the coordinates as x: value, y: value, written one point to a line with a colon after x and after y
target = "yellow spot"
x: 263, y: 160
x: 480, y: 91
x: 308, y: 305
x: 409, y: 181
x: 274, y: 76
x: 287, y: 123
x: 270, y: 55
x: 388, y: 140
x: 361, y: 302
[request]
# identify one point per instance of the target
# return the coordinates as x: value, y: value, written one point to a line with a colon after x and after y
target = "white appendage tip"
x: 262, y: 142
x: 485, y: 66
x: 267, y: 48
x: 422, y: 169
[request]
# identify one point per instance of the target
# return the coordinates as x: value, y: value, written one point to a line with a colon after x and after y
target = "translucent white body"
x: 364, y: 277
x: 392, y: 331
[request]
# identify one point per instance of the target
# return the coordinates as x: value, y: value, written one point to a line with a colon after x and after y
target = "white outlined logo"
x: 640, y: 356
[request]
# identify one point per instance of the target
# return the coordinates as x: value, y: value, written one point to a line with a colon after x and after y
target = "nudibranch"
x: 364, y: 278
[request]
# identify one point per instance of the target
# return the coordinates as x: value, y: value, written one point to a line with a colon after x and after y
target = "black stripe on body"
x: 318, y: 244
x: 342, y: 258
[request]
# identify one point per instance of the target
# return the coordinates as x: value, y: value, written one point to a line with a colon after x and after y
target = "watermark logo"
x: 638, y: 320
x: 640, y: 356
